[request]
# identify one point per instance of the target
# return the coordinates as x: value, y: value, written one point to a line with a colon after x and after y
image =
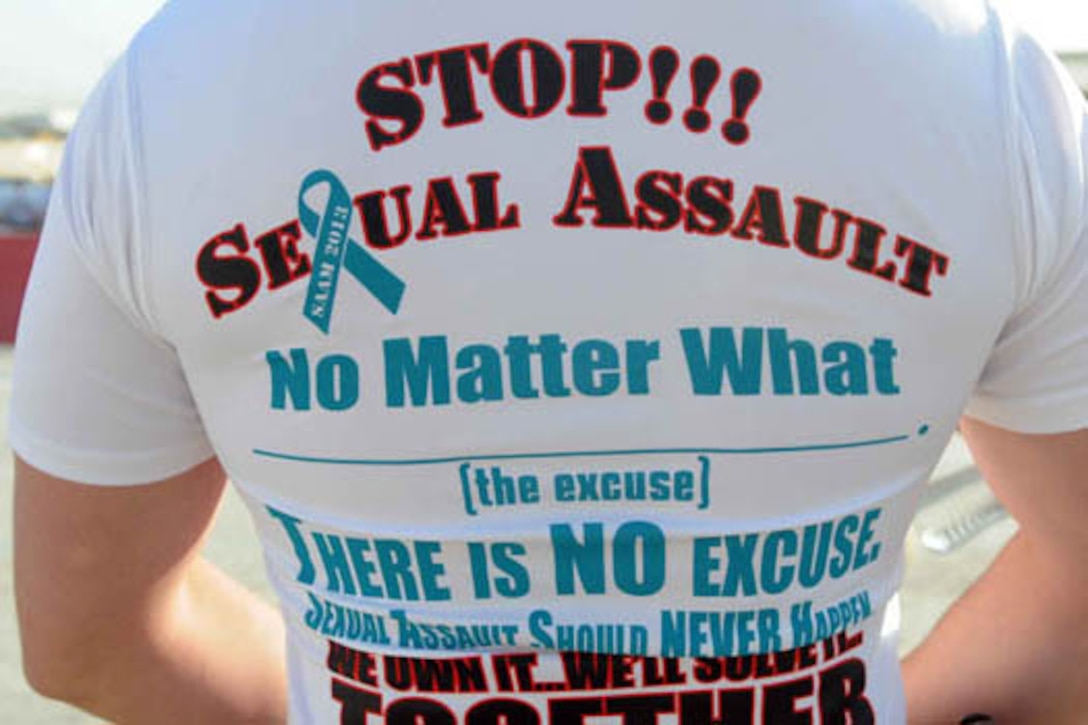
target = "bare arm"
x: 1016, y: 645
x: 121, y: 616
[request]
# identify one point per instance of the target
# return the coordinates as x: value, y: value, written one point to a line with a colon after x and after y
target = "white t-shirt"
x: 575, y: 361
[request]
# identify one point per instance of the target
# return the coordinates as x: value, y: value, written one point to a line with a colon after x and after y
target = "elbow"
x: 52, y: 676
x: 46, y: 681
x: 61, y: 666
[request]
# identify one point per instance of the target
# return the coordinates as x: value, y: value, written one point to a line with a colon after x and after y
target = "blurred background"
x: 51, y: 54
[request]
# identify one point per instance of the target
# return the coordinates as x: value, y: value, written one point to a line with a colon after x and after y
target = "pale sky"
x: 52, y: 51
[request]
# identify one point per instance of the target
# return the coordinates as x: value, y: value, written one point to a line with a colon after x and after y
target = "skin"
x: 153, y: 633
x: 1015, y: 646
x: 122, y: 617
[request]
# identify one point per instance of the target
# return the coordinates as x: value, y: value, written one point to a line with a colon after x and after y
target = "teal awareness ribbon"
x: 335, y: 249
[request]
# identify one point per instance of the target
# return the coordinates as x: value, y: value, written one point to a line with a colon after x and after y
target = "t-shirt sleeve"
x: 1036, y: 379
x: 98, y: 396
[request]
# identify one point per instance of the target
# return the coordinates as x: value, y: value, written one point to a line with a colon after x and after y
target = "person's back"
x: 574, y: 359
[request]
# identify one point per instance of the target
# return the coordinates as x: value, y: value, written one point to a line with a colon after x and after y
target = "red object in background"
x: 16, y: 255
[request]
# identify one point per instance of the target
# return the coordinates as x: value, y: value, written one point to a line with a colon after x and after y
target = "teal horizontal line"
x: 579, y: 454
